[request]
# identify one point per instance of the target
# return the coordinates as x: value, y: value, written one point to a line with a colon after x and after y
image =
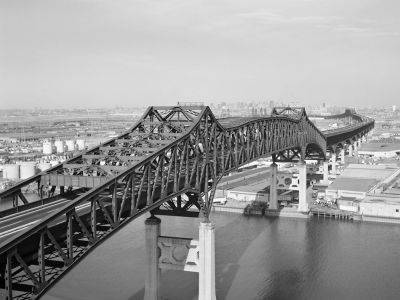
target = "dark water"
x: 256, y: 258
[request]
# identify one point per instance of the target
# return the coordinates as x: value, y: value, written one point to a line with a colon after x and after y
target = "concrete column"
x: 326, y: 165
x: 303, y: 205
x: 333, y: 156
x: 350, y: 150
x: 153, y: 272
x: 342, y: 156
x: 356, y: 149
x: 206, y: 261
x: 273, y: 191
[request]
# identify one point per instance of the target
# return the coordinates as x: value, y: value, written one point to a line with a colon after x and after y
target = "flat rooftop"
x: 378, y: 172
x: 243, y: 174
x: 253, y: 183
x: 382, y: 199
x: 255, y: 187
x: 379, y: 147
x: 353, y: 184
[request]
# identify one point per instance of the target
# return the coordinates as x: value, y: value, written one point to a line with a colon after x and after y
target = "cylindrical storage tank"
x: 44, y: 166
x: 11, y: 171
x: 27, y: 169
x: 70, y: 145
x: 47, y: 148
x: 59, y: 146
x: 80, y: 144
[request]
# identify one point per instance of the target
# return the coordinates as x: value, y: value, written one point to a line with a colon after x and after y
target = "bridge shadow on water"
x: 237, y: 236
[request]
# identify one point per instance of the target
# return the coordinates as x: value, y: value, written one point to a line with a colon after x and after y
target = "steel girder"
x: 169, y: 163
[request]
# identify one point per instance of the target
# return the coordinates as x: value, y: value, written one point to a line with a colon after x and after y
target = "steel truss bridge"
x: 168, y: 163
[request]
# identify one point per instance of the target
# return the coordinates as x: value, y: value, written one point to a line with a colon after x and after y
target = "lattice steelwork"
x: 168, y: 163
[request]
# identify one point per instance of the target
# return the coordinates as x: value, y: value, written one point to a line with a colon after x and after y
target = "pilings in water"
x: 333, y: 214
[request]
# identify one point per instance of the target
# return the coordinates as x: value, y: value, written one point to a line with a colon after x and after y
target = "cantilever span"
x: 169, y: 162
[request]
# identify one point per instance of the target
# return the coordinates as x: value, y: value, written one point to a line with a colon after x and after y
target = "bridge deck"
x: 236, y: 121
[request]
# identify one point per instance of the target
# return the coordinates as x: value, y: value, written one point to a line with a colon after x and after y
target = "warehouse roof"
x: 353, y: 184
x: 378, y: 172
x: 380, y: 147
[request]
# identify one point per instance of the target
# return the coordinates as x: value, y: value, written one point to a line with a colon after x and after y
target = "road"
x: 21, y: 221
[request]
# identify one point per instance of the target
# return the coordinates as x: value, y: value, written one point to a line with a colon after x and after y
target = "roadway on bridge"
x: 22, y: 221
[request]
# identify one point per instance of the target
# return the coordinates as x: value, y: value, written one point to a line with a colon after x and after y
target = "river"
x: 256, y: 258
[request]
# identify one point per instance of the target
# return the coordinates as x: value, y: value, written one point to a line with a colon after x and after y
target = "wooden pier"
x: 332, y: 213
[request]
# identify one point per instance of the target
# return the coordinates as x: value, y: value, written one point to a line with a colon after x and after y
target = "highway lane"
x: 22, y: 221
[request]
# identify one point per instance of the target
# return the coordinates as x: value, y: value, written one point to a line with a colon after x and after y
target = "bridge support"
x: 273, y: 190
x: 153, y: 272
x: 356, y: 145
x: 206, y: 261
x: 333, y: 158
x: 342, y: 155
x: 350, y: 150
x: 196, y: 256
x: 325, y: 170
x: 303, y: 205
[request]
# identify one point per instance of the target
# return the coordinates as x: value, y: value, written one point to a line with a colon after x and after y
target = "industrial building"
x: 371, y: 191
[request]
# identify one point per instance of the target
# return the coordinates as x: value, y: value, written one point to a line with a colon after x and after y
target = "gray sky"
x: 97, y: 53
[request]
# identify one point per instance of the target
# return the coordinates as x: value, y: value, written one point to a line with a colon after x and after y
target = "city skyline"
x: 60, y: 54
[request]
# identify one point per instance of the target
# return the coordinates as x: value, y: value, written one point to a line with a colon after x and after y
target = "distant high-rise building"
x: 394, y: 108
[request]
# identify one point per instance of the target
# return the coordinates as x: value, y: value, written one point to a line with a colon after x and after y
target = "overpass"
x: 168, y: 163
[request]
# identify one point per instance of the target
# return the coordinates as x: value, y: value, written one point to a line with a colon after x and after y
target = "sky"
x: 104, y: 53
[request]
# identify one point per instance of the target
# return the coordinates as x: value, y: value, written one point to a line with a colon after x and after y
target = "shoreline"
x: 291, y: 213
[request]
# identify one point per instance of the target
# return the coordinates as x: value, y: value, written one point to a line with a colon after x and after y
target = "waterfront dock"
x: 331, y: 213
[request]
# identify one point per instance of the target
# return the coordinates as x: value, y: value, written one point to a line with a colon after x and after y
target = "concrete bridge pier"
x: 273, y: 190
x: 199, y: 258
x: 356, y: 145
x: 153, y: 272
x: 303, y: 205
x: 333, y: 157
x: 343, y: 155
x: 207, y: 261
x: 325, y: 170
x: 350, y: 150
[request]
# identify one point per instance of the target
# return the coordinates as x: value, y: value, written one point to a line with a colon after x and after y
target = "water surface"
x: 256, y: 258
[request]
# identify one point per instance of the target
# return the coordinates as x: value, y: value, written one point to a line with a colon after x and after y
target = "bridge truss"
x: 168, y: 163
